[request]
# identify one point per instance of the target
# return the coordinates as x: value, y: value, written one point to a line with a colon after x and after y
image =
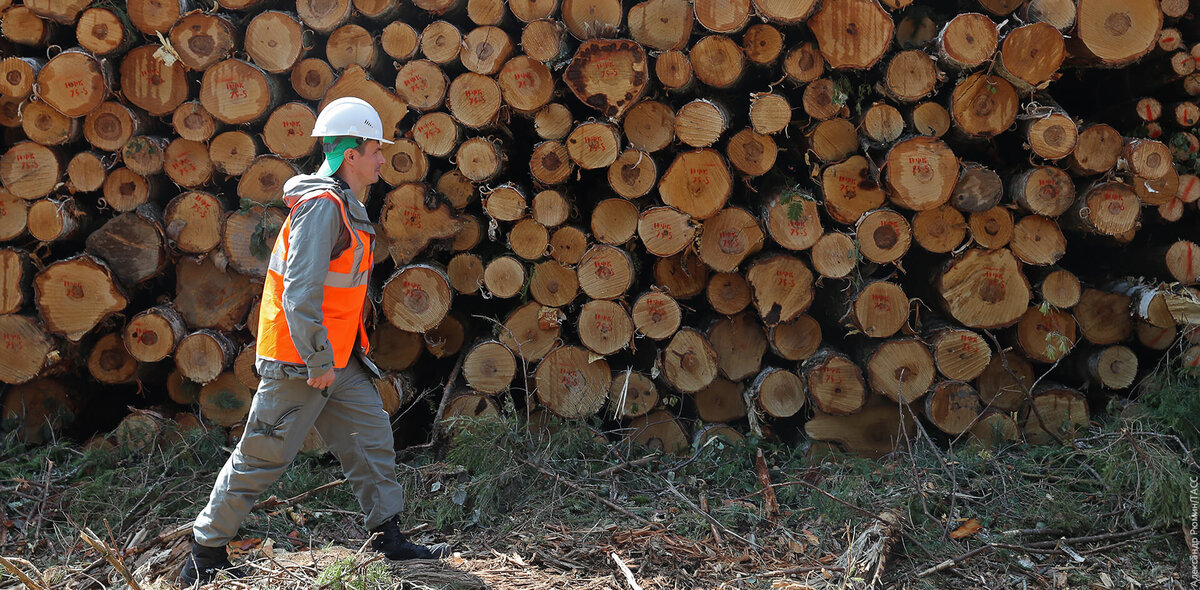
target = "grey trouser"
x: 352, y: 422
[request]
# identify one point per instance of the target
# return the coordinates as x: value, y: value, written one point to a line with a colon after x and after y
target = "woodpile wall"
x: 690, y: 218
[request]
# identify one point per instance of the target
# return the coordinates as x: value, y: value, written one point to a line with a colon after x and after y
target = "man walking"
x: 311, y: 352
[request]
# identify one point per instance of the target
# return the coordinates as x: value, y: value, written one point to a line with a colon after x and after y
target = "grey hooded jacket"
x: 316, y: 237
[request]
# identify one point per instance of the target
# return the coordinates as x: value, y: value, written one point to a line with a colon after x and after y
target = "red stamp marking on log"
x: 663, y: 230
x: 921, y: 167
x: 831, y: 375
x: 881, y: 301
x: 474, y: 96
x: 237, y: 90
x: 76, y: 87
x: 13, y: 342
x: 415, y: 297
x: 412, y: 217
x: 27, y: 161
x: 183, y: 164
x: 201, y: 207
x: 604, y: 323
x: 606, y: 68
x: 1115, y: 202
x: 848, y: 187
x: 796, y: 227
x: 415, y: 82
x: 699, y: 175
x: 658, y: 309
x: 731, y: 241
x: 603, y: 269
x: 969, y: 343
x: 74, y: 289
x: 292, y: 128
x: 522, y: 79
x: 572, y: 379
x: 429, y: 129
x: 785, y: 278
x: 594, y: 143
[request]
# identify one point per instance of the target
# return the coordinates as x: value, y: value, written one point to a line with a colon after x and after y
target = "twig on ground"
x: 1040, y: 547
x: 625, y: 570
x: 110, y: 556
x: 437, y: 418
x: 770, y: 501
x: 20, y: 575
x: 1093, y: 538
x: 716, y: 534
x: 588, y: 492
x: 866, y: 512
x: 274, y: 502
x: 791, y: 571
x: 710, y: 518
x: 626, y: 465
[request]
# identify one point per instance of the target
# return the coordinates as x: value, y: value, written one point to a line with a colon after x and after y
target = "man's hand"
x: 322, y: 381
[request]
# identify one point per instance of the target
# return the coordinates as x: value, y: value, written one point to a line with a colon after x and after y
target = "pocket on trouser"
x: 268, y: 438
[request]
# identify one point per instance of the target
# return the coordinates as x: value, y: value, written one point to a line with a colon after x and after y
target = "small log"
x: 1044, y: 190
x: 247, y: 237
x: 740, y: 342
x: 782, y: 287
x: 689, y: 361
x: 437, y: 134
x: 76, y: 294
x: 192, y: 222
x: 284, y: 132
x: 550, y: 163
x: 683, y: 275
x: 995, y: 429
x: 504, y: 277
x: 75, y: 83
x: 833, y: 140
x: 568, y: 244
x: 400, y: 41
x: 851, y: 34
x: 132, y: 244
x: 545, y: 40
x: 531, y: 331
x: 779, y: 393
x: 784, y: 12
x: 1097, y: 150
x: 145, y: 155
x: 553, y: 284
x: 883, y: 236
x: 57, y: 219
x: 1154, y: 337
x: 770, y: 112
x: 872, y: 432
x: 701, y: 122
x: 480, y: 159
x: 633, y: 174
x: 489, y: 367
x: 721, y: 401
x: 41, y: 410
x: 605, y: 272
x: 474, y: 100
x: 882, y: 124
x: 1147, y: 158
x: 188, y: 163
x: 673, y: 70
x: 1110, y: 367
x: 665, y: 231
x: 530, y: 239
x: 1005, y: 383
x: 85, y: 172
x: 992, y: 228
x: 210, y: 296
x: 16, y: 279
x: 44, y: 125
x: 835, y: 384
x: 1046, y: 335
x: 698, y: 183
x: 649, y: 126
x: 553, y: 121
x: 762, y: 44
x: 18, y: 75
x: 984, y: 288
x: 608, y: 75
x: 422, y: 84
x: 28, y: 349
x: 243, y: 368
x: 631, y: 394
x: 921, y: 173
x: 983, y: 105
x: 727, y: 293
x: 656, y: 315
x: 485, y: 49
x: 967, y: 41
x: 728, y: 237
x: 590, y: 19
x: 1104, y: 318
x: 1052, y: 136
x: 911, y: 75
x: 1060, y: 288
x: 1114, y: 35
x: 717, y: 61
x: 225, y: 401
x: 30, y: 170
x: 901, y: 369
x: 792, y: 220
x: 14, y: 216
x: 403, y: 162
x: 835, y: 255
x: 1105, y: 208
x: 23, y: 26
x: 351, y: 44
x: 659, y: 431
x: 1182, y: 261
x: 930, y: 119
x: 795, y: 340
x: 153, y: 334
x: 614, y: 221
x: 752, y: 153
x: 939, y: 230
x: 1037, y: 240
x: 593, y: 145
x: 878, y: 309
x: 550, y: 207
x: 1055, y: 413
x: 604, y: 327
x: 570, y: 384
x: 506, y: 202
x: 151, y: 84
x: 803, y: 63
x: 204, y: 355
x: 662, y: 25
x: 232, y: 152
x: 393, y: 349
x: 262, y: 181
x: 236, y: 92
x: 417, y: 297
x: 531, y: 10
x: 723, y: 17
x: 1030, y: 56
x: 959, y: 354
x: 108, y: 361
x: 201, y: 39
x: 465, y: 271
x: 275, y: 42
x: 526, y: 84
x: 953, y: 407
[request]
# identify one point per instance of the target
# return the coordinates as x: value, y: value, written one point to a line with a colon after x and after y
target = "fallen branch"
x: 865, y: 512
x: 1092, y: 538
x: 626, y: 465
x: 20, y: 575
x: 713, y: 521
x: 588, y: 492
x: 770, y: 501
x: 110, y: 556
x: 1040, y: 547
x: 274, y: 502
x: 625, y: 570
x: 437, y: 418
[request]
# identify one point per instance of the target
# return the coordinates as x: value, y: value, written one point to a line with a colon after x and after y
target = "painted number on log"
x: 415, y: 297
x: 292, y: 128
x: 658, y: 309
x: 797, y: 227
x: 13, y: 342
x: 831, y: 375
x: 731, y: 241
x: 27, y: 161
x: 572, y: 379
x: 1115, y: 202
x: 523, y: 79
x: 785, y: 278
x: 415, y: 82
x: 699, y: 175
x: 969, y: 343
x: 921, y: 168
x: 848, y: 187
x: 183, y: 165
x: 236, y: 89
x: 76, y: 87
x: 412, y: 217
x: 881, y: 301
x: 604, y: 323
x: 201, y: 207
x: 474, y: 96
x: 993, y: 287
x: 74, y: 289
x: 594, y: 143
x: 606, y: 69
x: 429, y: 129
x: 603, y: 269
x: 663, y: 230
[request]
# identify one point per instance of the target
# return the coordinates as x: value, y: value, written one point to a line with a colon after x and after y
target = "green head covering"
x: 335, y: 151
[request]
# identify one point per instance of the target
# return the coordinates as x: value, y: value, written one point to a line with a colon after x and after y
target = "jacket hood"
x: 302, y: 184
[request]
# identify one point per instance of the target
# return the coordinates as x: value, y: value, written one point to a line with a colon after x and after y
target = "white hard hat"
x: 349, y: 116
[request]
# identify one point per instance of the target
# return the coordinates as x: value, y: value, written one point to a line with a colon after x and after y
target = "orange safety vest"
x: 345, y: 294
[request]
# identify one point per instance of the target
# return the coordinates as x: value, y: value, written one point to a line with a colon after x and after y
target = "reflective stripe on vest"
x: 344, y: 295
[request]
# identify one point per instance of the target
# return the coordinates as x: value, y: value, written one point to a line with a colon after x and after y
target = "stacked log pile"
x: 691, y: 219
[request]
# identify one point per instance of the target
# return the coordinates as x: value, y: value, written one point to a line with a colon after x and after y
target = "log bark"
x: 1114, y: 35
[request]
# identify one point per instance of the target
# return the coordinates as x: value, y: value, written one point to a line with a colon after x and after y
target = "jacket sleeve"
x: 314, y: 230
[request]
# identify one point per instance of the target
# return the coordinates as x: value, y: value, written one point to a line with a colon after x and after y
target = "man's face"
x: 365, y: 166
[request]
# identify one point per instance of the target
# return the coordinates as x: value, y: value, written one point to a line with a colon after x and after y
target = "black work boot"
x: 203, y: 564
x: 392, y: 543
